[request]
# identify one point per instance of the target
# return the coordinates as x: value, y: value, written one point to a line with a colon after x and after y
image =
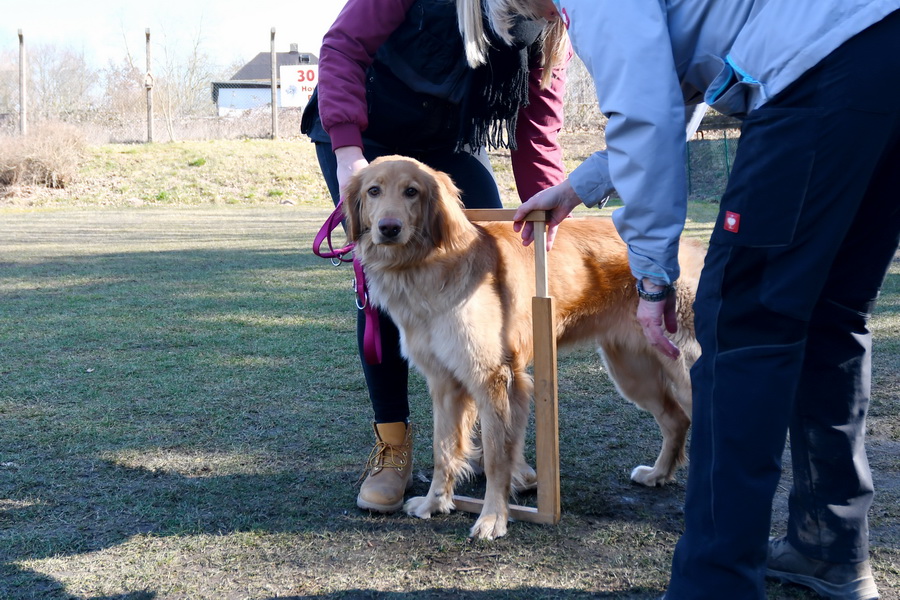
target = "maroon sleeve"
x: 347, y: 51
x: 537, y: 161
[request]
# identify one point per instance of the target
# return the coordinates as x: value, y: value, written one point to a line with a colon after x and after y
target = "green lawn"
x: 183, y: 416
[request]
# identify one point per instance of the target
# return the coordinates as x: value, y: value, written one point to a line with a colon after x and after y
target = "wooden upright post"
x: 23, y: 92
x: 148, y: 85
x: 274, y: 87
x: 546, y: 398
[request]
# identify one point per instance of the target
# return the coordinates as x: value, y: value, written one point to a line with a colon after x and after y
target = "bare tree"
x: 123, y: 83
x: 581, y: 107
x: 9, y: 90
x: 62, y: 83
x: 182, y: 83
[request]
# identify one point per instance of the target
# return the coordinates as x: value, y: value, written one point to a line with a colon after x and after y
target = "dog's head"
x: 397, y: 201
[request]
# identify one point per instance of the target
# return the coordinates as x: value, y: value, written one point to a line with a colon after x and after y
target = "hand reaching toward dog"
x: 559, y: 200
x: 653, y: 316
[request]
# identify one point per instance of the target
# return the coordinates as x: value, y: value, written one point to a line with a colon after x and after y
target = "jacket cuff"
x: 591, y: 180
x: 345, y: 134
x: 642, y: 266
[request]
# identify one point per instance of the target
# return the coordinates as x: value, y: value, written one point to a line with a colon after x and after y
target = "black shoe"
x: 836, y: 581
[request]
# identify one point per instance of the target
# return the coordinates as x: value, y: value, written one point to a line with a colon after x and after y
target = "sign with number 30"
x: 297, y: 84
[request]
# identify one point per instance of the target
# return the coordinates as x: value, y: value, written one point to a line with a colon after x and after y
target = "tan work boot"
x: 389, y: 469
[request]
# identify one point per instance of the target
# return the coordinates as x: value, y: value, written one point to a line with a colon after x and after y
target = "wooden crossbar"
x: 546, y: 397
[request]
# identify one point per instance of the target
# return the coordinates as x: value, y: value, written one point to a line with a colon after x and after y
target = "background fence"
x: 160, y: 95
x: 163, y: 95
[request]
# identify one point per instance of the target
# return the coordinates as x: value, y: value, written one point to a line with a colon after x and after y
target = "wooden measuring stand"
x: 546, y: 399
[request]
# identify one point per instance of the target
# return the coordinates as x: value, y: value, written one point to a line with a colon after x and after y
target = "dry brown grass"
x: 48, y: 157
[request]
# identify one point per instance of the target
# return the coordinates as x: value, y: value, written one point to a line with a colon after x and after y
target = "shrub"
x: 48, y: 157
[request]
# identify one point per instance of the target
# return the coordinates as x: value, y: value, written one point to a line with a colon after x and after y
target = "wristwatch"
x: 654, y: 296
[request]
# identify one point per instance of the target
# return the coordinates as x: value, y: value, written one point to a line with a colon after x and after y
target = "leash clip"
x: 360, y: 293
x: 362, y: 305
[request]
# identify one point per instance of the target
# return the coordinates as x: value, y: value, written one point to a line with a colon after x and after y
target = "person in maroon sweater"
x: 400, y: 77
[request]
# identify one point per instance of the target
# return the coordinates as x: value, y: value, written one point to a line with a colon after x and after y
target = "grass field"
x: 182, y: 413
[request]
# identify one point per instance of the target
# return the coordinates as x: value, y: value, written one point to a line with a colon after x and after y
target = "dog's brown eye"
x: 410, y: 192
x: 374, y: 190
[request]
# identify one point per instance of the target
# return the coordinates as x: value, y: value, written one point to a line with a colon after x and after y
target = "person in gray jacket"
x: 808, y: 226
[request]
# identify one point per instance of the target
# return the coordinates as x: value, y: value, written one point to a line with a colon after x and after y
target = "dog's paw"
x: 525, y: 479
x: 488, y: 527
x: 649, y: 477
x: 418, y: 507
x: 425, y: 506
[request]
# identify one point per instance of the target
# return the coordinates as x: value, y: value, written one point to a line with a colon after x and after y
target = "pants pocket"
x: 768, y: 185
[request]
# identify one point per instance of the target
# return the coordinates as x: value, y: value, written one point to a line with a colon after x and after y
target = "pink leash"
x: 372, y: 335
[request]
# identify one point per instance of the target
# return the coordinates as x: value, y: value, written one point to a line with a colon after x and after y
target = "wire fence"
x: 169, y: 97
x: 710, y: 157
x: 163, y: 96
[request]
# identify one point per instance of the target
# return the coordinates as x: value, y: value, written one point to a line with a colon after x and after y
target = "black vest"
x: 420, y: 90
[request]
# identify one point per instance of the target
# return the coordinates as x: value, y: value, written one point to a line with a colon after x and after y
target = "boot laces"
x: 384, y: 456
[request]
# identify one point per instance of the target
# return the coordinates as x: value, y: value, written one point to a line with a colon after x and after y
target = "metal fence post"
x: 690, y: 175
x: 23, y: 93
x: 148, y: 84
x: 727, y: 155
x: 274, y: 87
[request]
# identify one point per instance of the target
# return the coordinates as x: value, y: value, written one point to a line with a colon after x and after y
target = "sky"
x: 229, y: 30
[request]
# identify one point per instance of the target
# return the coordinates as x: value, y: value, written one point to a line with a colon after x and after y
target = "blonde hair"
x: 501, y: 15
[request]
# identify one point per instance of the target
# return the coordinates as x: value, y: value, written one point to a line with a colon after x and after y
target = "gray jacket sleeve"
x: 591, y: 180
x: 627, y: 50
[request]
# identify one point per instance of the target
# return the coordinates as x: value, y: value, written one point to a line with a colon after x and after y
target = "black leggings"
x: 388, y: 382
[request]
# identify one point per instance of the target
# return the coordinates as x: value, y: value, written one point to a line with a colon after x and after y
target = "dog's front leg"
x: 454, y: 417
x: 504, y: 414
x: 491, y: 523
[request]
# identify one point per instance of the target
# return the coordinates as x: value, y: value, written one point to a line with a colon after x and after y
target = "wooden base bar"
x: 516, y: 512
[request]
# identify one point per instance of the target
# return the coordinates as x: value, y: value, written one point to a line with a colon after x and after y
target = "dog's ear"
x: 444, y: 209
x: 352, y: 207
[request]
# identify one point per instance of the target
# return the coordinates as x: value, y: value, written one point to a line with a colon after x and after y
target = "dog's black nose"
x: 390, y: 228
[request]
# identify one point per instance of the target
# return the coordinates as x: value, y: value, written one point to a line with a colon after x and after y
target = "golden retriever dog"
x: 460, y: 294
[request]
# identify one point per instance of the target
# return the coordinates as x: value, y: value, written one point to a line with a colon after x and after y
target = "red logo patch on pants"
x: 732, y: 221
